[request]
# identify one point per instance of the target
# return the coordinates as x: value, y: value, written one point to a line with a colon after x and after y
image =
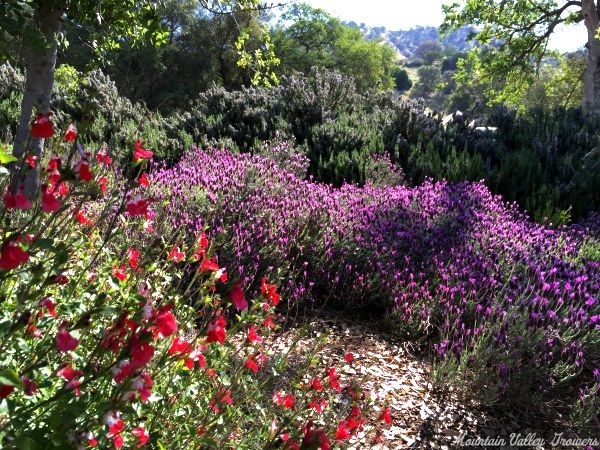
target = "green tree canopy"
x: 38, y: 27
x: 310, y: 37
x: 512, y: 42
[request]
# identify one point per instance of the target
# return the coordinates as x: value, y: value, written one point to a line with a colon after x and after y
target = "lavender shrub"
x: 512, y: 306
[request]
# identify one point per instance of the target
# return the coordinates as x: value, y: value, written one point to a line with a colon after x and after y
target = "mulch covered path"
x: 424, y: 417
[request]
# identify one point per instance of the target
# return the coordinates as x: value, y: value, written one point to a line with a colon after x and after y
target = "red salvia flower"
x: 355, y: 420
x: 103, y: 157
x: 343, y: 433
x: 29, y: 386
x: 209, y: 265
x: 16, y: 201
x: 50, y: 306
x: 221, y: 397
x: 176, y: 255
x: 269, y: 322
x: 137, y: 207
x: 166, y: 323
x: 253, y: 335
x: 333, y: 377
x: 103, y: 183
x: 119, y: 272
x: 12, y: 255
x: 252, y: 364
x: 49, y: 202
x: 180, y: 346
x: 64, y: 341
x: 318, y: 405
x: 386, y: 416
x: 54, y: 178
x: 82, y: 219
x: 54, y: 163
x: 316, y: 384
x: 141, y: 353
x: 31, y: 160
x: 143, y: 180
x: 84, y: 172
x: 63, y: 189
x: 118, y: 441
x: 269, y: 291
x: 42, y: 126
x: 349, y: 357
x: 140, y: 152
x: 122, y: 370
x: 202, y: 241
x: 61, y: 279
x: 5, y: 390
x: 133, y: 256
x: 116, y: 426
x: 141, y: 435
x: 201, y: 247
x: 71, y: 133
x: 68, y: 373
x: 143, y: 384
x: 194, y: 356
x: 284, y: 399
x: 216, y: 330
x: 237, y: 296
x: 221, y: 275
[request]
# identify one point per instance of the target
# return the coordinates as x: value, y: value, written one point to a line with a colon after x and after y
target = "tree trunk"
x: 591, y: 78
x: 38, y: 89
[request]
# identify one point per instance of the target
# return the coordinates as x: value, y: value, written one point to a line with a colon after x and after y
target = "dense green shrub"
x: 12, y: 83
x: 246, y: 117
x: 92, y: 100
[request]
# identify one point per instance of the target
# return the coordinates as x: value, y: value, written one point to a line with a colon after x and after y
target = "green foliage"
x: 429, y: 79
x: 93, y: 101
x: 314, y: 38
x: 246, y: 117
x: 559, y: 84
x: 403, y: 81
x: 429, y: 51
x: 381, y: 171
x: 512, y: 39
x: 590, y: 249
x: 340, y: 149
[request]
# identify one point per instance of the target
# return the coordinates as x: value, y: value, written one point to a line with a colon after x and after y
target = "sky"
x: 406, y: 14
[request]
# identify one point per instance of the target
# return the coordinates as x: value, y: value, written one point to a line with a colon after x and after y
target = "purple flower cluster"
x: 514, y: 298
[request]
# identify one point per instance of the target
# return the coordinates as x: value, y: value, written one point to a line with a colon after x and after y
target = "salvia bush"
x: 116, y: 331
x: 512, y: 307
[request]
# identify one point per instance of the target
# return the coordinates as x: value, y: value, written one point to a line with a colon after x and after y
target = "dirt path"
x: 423, y: 419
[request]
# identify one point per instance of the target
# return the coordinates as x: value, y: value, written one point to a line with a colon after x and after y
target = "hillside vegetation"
x: 179, y: 228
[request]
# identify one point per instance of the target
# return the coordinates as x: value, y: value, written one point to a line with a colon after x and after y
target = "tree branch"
x: 221, y: 7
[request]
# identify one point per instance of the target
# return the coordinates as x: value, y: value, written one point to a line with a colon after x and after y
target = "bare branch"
x: 221, y: 8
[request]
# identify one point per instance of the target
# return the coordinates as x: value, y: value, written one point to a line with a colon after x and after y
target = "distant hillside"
x: 407, y: 41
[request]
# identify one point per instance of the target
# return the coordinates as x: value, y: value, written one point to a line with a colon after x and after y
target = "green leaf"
x: 5, y: 157
x: 45, y: 243
x: 10, y: 378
